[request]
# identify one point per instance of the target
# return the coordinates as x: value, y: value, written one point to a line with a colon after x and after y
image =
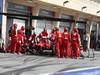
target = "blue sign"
x: 91, y: 71
x: 1, y: 10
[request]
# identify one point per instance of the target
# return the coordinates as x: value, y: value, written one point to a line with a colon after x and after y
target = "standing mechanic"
x: 75, y: 43
x: 66, y: 43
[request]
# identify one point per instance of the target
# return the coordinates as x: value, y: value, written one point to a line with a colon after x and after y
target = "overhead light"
x: 84, y: 8
x: 65, y: 2
x: 98, y: 12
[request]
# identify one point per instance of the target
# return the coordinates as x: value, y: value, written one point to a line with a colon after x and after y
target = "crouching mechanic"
x: 43, y: 38
x: 53, y: 40
x: 21, y: 40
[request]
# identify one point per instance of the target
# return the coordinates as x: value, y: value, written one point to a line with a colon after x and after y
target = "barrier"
x: 84, y: 71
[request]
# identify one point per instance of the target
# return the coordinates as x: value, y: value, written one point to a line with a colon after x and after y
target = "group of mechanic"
x: 17, y: 37
x: 66, y: 44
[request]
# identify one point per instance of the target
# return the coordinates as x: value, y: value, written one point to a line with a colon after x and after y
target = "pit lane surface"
x: 12, y: 64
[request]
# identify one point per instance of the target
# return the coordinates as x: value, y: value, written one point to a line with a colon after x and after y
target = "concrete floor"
x: 12, y: 64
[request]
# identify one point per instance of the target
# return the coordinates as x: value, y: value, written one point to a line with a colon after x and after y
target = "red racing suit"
x: 19, y: 42
x: 66, y: 44
x: 53, y: 38
x: 75, y: 44
x: 13, y: 44
x: 43, y: 39
x: 58, y: 43
x: 22, y: 40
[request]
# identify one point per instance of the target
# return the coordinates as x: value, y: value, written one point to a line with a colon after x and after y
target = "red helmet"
x: 65, y: 29
x: 23, y: 28
x: 57, y: 29
x: 15, y: 25
x: 75, y: 30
